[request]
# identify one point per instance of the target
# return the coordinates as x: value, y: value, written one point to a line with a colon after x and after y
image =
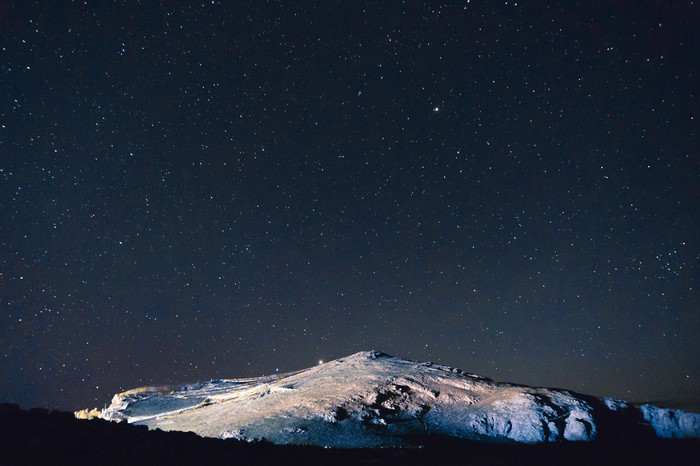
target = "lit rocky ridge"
x: 372, y: 399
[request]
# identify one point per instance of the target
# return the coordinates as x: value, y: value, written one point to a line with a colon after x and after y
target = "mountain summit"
x: 372, y: 399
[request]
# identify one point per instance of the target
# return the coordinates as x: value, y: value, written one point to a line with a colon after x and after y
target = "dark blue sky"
x: 216, y: 190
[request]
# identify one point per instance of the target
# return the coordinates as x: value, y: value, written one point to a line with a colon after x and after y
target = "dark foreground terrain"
x: 42, y: 437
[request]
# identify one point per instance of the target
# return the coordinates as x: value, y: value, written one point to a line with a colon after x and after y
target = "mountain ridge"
x: 371, y: 399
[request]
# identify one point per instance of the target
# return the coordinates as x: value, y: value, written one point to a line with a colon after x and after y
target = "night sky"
x: 220, y: 190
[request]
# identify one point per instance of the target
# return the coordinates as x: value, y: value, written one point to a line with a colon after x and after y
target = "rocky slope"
x: 371, y: 399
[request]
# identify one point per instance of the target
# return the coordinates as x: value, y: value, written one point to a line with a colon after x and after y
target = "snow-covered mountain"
x: 372, y: 399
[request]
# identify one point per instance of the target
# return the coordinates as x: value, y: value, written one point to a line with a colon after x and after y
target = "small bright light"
x: 320, y: 361
x: 436, y: 109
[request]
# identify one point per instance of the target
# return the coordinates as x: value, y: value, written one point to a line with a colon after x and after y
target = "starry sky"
x: 217, y: 190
